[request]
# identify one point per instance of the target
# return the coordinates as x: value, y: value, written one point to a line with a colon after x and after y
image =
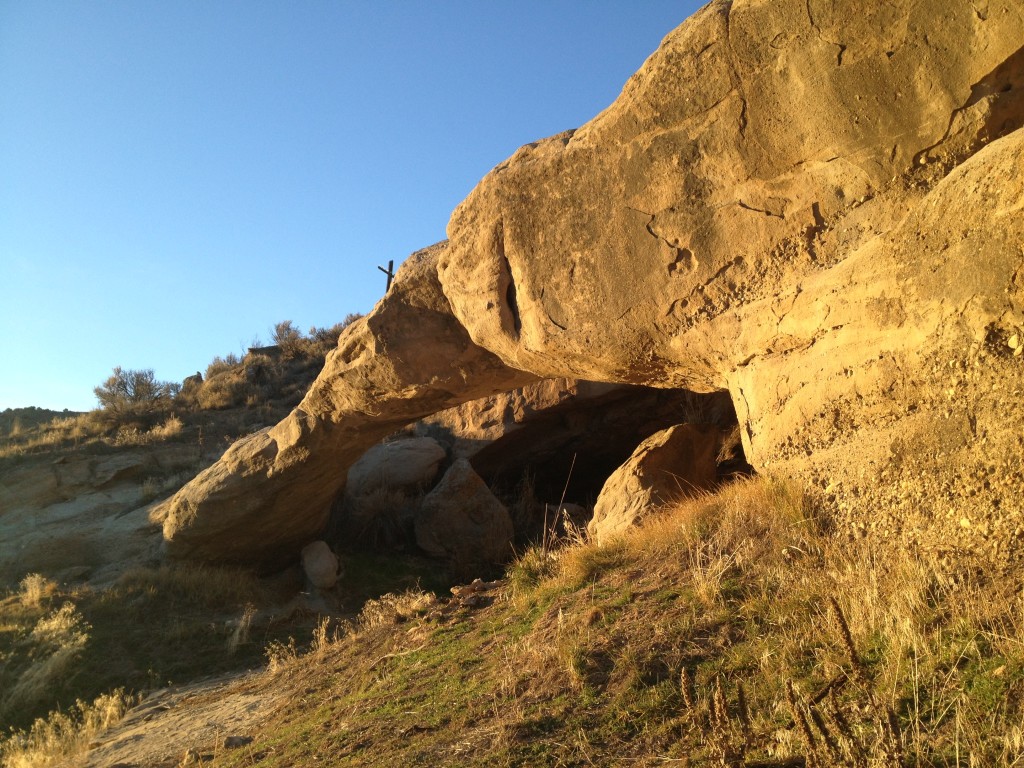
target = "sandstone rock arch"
x: 813, y: 206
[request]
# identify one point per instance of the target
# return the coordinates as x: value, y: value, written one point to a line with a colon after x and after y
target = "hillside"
x: 717, y: 395
x: 737, y: 630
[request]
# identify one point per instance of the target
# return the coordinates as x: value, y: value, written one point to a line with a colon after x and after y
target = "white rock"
x: 320, y: 565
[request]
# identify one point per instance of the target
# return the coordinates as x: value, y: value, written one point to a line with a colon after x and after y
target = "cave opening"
x: 568, y: 451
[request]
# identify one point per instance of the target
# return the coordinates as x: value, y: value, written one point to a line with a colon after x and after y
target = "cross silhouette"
x: 390, y: 272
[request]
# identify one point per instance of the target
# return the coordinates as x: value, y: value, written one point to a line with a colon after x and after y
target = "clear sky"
x: 176, y: 177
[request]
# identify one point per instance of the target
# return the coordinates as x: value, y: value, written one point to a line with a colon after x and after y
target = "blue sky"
x: 176, y: 177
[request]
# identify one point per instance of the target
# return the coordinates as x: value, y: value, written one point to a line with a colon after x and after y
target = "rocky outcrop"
x: 813, y: 206
x: 715, y: 180
x: 461, y: 520
x: 476, y: 424
x: 769, y: 209
x: 84, y: 514
x: 673, y: 464
x: 271, y: 491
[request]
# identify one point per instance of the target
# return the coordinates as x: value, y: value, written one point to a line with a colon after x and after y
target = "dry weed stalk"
x: 686, y: 688
x: 731, y: 751
x: 240, y: 634
x: 795, y: 706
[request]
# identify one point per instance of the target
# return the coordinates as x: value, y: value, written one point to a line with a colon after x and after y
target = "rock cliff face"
x: 769, y: 209
x: 815, y: 206
x: 85, y: 515
x: 567, y: 435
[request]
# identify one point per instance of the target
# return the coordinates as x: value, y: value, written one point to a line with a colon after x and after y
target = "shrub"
x: 132, y: 394
x: 170, y: 428
x: 221, y: 365
x: 223, y: 390
x: 288, y: 338
x: 328, y: 337
x: 35, y: 588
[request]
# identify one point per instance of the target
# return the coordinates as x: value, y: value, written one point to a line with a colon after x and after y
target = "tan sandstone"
x: 815, y: 206
x: 670, y: 465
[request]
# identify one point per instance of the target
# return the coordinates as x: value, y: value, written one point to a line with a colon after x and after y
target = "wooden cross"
x: 390, y: 272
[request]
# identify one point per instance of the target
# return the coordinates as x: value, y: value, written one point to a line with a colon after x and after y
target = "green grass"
x: 734, y: 630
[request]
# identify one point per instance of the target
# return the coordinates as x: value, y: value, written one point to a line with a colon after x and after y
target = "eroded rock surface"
x: 814, y: 206
x: 84, y: 515
x: 566, y: 436
x: 462, y: 521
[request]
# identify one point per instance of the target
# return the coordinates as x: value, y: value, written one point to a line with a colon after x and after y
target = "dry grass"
x: 54, y: 645
x: 281, y: 655
x: 240, y: 634
x: 61, y: 431
x: 171, y: 427
x: 59, y: 644
x: 53, y: 740
x: 392, y: 609
x: 735, y: 629
x: 35, y: 588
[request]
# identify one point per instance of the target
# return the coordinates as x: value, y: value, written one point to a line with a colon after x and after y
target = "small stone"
x: 965, y: 523
x: 320, y: 565
x: 1013, y: 342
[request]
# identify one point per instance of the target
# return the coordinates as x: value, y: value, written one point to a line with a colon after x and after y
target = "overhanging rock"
x: 815, y: 206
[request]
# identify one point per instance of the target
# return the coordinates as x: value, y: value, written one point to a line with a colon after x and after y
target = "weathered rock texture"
x: 769, y: 208
x: 271, y: 492
x: 85, y: 514
x: 670, y: 465
x: 813, y: 205
x: 462, y: 521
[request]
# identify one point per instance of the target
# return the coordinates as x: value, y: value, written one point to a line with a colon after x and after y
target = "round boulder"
x: 320, y: 565
x: 410, y: 463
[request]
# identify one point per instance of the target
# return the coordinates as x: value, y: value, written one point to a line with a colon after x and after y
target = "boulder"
x: 673, y: 464
x: 462, y: 521
x: 320, y: 564
x: 410, y: 463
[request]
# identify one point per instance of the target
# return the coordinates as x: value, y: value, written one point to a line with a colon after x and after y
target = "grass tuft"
x: 53, y: 740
